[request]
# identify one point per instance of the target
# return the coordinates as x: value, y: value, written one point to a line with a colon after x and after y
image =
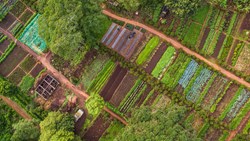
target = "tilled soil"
x: 38, y: 68
x: 204, y: 37
x: 7, y: 21
x: 219, y: 45
x: 143, y: 96
x: 4, y: 45
x: 113, y: 83
x: 157, y: 56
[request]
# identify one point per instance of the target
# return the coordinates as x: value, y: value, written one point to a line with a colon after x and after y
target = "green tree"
x: 130, y: 5
x: 94, y: 104
x: 25, y: 131
x: 71, y: 27
x: 149, y: 124
x: 242, y: 5
x: 6, y: 88
x: 55, y: 125
x: 182, y: 8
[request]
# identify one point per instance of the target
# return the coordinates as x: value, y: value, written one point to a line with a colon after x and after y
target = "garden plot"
x: 219, y: 45
x: 197, y: 87
x: 28, y: 63
x: 31, y: 38
x: 143, y: 96
x: 122, y: 40
x: 12, y: 60
x: 225, y: 99
x: 213, y: 134
x: 243, y: 61
x: 240, y: 101
x: 204, y: 37
x: 214, y: 91
x: 155, y: 59
x: 26, y: 16
x: 5, y: 7
x: 125, y: 86
x: 36, y: 70
x: 15, y: 27
x: 151, y: 98
x: 113, y: 82
x: 16, y: 76
x: 7, y: 21
x: 245, y: 26
x: 4, y: 45
x: 188, y: 74
x: 98, y: 128
x: 18, y: 9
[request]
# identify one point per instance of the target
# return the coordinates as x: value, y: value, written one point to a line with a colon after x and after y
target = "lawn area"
x: 201, y: 14
x: 164, y: 61
x: 192, y: 35
x: 151, y: 45
x: 27, y: 83
x: 28, y: 63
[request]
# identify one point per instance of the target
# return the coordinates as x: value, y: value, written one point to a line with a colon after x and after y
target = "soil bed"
x: 246, y: 23
x: 95, y: 132
x: 14, y: 58
x: 122, y: 90
x: 7, y: 21
x: 204, y: 37
x: 219, y: 45
x: 143, y: 96
x: 4, y: 45
x: 113, y: 82
x: 229, y: 62
x: 213, y: 135
x: 151, y: 65
x: 38, y: 68
x: 226, y: 99
x: 151, y: 99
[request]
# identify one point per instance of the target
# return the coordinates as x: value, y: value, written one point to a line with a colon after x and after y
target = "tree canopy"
x: 57, y: 126
x: 25, y: 131
x: 148, y: 124
x: 130, y: 5
x: 71, y: 27
x: 6, y: 88
x: 182, y: 8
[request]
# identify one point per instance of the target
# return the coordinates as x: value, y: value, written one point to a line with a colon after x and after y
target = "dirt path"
x: 178, y: 45
x: 61, y: 78
x: 239, y: 128
x: 16, y: 107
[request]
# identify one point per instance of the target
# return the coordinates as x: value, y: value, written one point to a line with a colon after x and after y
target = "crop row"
x: 208, y: 86
x: 231, y: 104
x: 132, y: 95
x: 17, y: 26
x: 7, y: 51
x: 188, y: 73
x: 236, y: 121
x: 218, y: 98
x: 225, y: 48
x: 175, y: 71
x: 151, y: 45
x: 237, y: 51
x: 2, y: 38
x: 241, y: 100
x: 164, y: 61
x: 101, y: 78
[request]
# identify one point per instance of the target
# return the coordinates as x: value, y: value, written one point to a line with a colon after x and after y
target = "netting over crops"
x: 31, y: 38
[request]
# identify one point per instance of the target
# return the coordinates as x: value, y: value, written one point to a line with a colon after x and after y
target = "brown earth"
x: 226, y: 99
x: 7, y: 21
x: 95, y: 132
x: 36, y: 70
x: 229, y: 59
x: 157, y: 56
x: 214, y: 91
x: 122, y: 90
x: 213, y: 135
x: 13, y: 59
x: 219, y: 45
x: 4, y: 45
x: 114, y: 81
x: 143, y: 96
x: 151, y: 99
x: 204, y: 37
x: 79, y: 124
x: 246, y: 23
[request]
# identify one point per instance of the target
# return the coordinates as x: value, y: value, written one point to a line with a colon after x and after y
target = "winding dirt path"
x: 178, y: 45
x: 16, y: 107
x: 239, y: 128
x: 61, y: 78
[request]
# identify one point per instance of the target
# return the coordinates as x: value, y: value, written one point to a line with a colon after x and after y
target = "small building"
x: 78, y: 114
x: 47, y: 86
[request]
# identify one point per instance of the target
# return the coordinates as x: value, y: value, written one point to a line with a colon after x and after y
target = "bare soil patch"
x: 246, y: 23
x: 14, y: 58
x: 226, y: 99
x: 38, y: 68
x: 204, y: 37
x: 95, y: 132
x: 7, y: 21
x: 113, y: 82
x: 122, y: 90
x: 219, y: 45
x: 4, y: 45
x: 157, y: 56
x: 143, y: 96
